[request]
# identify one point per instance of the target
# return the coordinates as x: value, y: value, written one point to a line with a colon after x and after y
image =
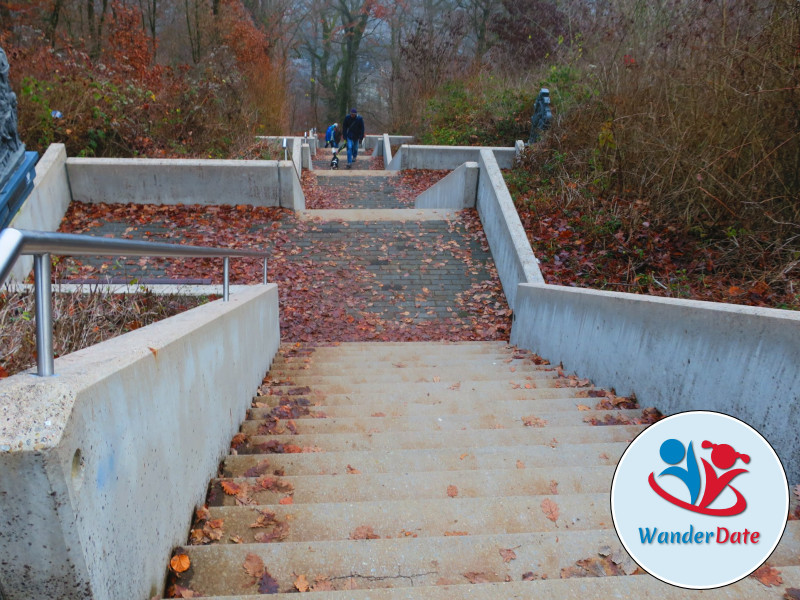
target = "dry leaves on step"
x: 364, y: 532
x: 508, y: 554
x: 301, y: 583
x: 322, y: 584
x: 279, y: 533
x: 767, y: 575
x: 474, y: 577
x: 287, y: 500
x: 267, y: 584
x: 528, y: 576
x: 550, y: 509
x: 553, y: 486
x: 253, y: 566
x: 178, y: 591
x: 452, y: 491
x: 792, y: 594
x: 353, y: 471
x: 520, y: 464
x: 533, y: 421
x: 180, y: 563
x: 455, y: 533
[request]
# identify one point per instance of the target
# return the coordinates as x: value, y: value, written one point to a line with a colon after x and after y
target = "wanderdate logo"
x: 699, y: 499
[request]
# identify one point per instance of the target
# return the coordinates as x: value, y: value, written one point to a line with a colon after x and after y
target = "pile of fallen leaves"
x: 80, y: 319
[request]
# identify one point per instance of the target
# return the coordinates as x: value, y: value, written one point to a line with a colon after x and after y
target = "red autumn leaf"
x: 364, y: 532
x: 231, y: 488
x: 767, y: 575
x: 550, y: 509
x: 267, y: 584
x: 533, y: 421
x: 286, y: 500
x: 452, y: 491
x: 474, y: 577
x: 508, y: 554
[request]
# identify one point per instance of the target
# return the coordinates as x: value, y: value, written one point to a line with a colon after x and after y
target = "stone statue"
x: 12, y: 150
x: 542, y: 117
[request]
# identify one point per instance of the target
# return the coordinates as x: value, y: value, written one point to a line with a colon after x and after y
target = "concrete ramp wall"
x: 457, y: 191
x: 676, y: 355
x: 446, y: 157
x: 102, y: 465
x: 508, y: 241
x: 179, y: 181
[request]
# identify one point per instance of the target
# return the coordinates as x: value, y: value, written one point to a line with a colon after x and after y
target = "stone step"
x: 364, y: 487
x: 419, y: 562
x: 580, y: 588
x: 445, y: 422
x: 416, y: 517
x: 498, y: 361
x: 394, y: 394
x: 410, y: 440
x: 392, y: 374
x: 463, y: 458
x: 382, y: 563
x: 474, y: 404
x: 343, y: 385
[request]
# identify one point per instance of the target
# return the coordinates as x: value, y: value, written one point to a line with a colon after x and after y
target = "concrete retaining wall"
x: 181, y: 181
x: 376, y: 141
x: 387, y: 149
x: 446, y: 157
x: 458, y: 190
x: 102, y: 465
x: 47, y: 204
x: 675, y: 355
x: 508, y: 242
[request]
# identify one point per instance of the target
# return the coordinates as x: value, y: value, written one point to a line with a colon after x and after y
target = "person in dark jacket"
x: 353, y: 129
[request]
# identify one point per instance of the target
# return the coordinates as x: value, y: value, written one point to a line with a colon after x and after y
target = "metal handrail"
x: 41, y: 244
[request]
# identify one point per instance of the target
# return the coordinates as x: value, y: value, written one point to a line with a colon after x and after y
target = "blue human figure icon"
x: 672, y: 453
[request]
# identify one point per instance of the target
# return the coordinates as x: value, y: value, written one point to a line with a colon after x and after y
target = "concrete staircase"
x: 426, y: 470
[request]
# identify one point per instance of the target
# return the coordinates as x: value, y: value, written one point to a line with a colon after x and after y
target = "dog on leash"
x: 335, y: 159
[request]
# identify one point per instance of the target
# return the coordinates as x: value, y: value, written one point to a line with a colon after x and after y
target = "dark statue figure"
x: 542, y: 117
x: 17, y: 167
x: 12, y: 151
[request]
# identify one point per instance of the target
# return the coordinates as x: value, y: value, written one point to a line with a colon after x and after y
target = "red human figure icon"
x: 724, y: 457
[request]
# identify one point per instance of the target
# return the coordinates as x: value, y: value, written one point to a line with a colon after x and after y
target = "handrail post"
x: 265, y: 270
x: 44, y: 315
x: 225, y: 284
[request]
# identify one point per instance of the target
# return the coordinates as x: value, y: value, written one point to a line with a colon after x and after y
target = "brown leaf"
x: 474, y: 577
x: 456, y: 386
x: 364, y: 532
x: 231, y: 488
x: 767, y: 575
x: 322, y: 584
x: 532, y: 421
x: 267, y: 584
x: 253, y: 565
x: 553, y: 486
x: 520, y: 464
x: 353, y: 471
x: 301, y: 583
x: 286, y: 500
x: 180, y: 563
x: 583, y: 407
x: 178, y: 591
x: 508, y: 554
x: 550, y: 509
x: 452, y: 491
x: 528, y: 576
x: 153, y: 350
x: 792, y: 594
x: 278, y: 534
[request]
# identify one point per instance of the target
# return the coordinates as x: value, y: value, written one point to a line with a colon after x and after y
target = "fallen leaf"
x: 456, y: 386
x: 153, y: 350
x: 767, y: 575
x: 532, y: 421
x: 237, y: 539
x: 529, y: 386
x: 180, y: 563
x: 583, y: 407
x: 322, y: 584
x: 301, y: 583
x: 452, y: 491
x: 463, y: 456
x: 286, y: 500
x: 508, y: 554
x: 528, y: 576
x: 178, y: 591
x: 520, y: 464
x: 353, y: 471
x: 253, y: 566
x: 553, y: 486
x: 267, y: 584
x: 364, y: 532
x: 792, y: 594
x: 231, y: 488
x: 550, y: 509
x: 436, y: 379
x: 474, y: 577
x: 278, y: 534
x: 455, y: 533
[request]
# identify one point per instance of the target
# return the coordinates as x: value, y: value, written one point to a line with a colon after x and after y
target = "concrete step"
x: 394, y: 394
x: 342, y: 385
x: 445, y: 422
x: 382, y: 563
x: 582, y: 588
x: 413, y: 440
x: 464, y: 458
x: 392, y: 374
x: 365, y: 487
x: 409, y: 561
x: 473, y: 404
x: 494, y: 361
x: 416, y: 517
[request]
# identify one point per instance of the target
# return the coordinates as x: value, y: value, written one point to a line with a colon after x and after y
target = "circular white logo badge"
x: 699, y: 500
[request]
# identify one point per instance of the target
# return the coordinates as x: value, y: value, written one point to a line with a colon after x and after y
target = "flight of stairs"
x: 426, y: 470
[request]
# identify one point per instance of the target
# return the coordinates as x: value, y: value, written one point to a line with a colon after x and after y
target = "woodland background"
x: 673, y: 163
